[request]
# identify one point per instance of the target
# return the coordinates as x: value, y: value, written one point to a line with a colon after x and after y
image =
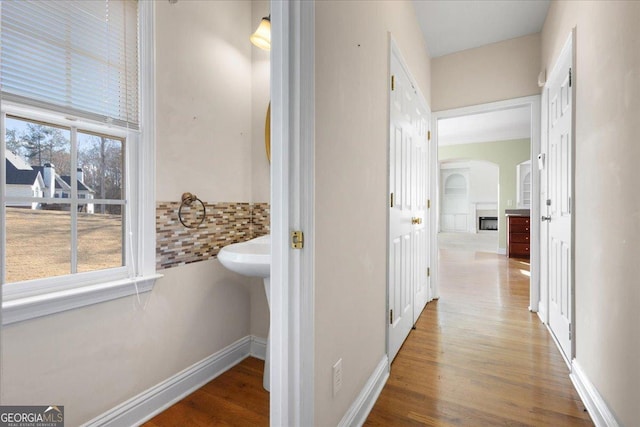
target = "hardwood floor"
x: 235, y: 398
x: 477, y: 358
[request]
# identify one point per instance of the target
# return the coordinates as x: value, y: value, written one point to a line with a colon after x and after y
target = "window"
x: 77, y: 219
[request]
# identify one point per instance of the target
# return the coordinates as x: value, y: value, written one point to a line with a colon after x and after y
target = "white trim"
x: 533, y: 102
x: 258, y: 347
x: 158, y: 398
x: 146, y: 238
x: 20, y: 309
x: 292, y: 208
x: 542, y: 312
x: 501, y: 251
x: 600, y: 413
x: 361, y: 407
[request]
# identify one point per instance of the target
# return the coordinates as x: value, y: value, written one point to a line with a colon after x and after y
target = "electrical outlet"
x: 337, y: 376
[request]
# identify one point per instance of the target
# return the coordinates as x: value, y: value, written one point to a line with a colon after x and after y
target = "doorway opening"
x: 506, y: 134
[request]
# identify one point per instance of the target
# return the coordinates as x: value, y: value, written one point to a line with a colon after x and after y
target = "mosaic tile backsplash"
x: 225, y: 223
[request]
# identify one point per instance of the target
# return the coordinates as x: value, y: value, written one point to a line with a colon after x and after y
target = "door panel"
x: 558, y: 267
x: 408, y: 286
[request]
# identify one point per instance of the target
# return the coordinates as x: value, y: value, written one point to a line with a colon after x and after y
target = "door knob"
x: 416, y: 220
x: 546, y: 218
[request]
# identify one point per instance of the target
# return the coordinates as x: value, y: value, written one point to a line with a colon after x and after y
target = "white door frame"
x: 533, y: 102
x: 292, y: 204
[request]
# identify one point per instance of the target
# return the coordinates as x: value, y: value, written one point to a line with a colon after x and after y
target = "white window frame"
x: 36, y: 298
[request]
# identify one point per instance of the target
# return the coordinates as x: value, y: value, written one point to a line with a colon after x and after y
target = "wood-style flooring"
x: 235, y: 398
x: 477, y: 357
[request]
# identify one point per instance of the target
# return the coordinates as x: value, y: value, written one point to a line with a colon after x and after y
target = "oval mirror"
x: 267, y: 133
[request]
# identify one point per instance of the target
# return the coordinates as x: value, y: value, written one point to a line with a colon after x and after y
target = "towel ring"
x: 187, y: 200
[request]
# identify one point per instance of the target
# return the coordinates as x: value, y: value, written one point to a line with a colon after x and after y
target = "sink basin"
x: 251, y: 258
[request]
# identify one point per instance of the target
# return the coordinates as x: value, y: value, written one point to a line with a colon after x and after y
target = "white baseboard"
x: 542, y: 313
x: 258, y: 347
x: 595, y: 404
x: 151, y: 402
x: 501, y: 251
x: 360, y: 408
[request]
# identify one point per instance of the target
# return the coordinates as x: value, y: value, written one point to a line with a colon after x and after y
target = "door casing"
x: 533, y: 103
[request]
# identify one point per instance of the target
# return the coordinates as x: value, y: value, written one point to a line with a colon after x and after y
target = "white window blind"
x: 76, y: 57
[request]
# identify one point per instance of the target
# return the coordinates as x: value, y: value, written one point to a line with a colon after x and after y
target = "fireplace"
x: 488, y: 223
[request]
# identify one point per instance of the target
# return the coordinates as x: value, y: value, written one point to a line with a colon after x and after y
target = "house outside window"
x: 74, y: 203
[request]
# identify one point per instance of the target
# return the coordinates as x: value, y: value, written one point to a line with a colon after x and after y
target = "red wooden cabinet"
x: 518, y: 235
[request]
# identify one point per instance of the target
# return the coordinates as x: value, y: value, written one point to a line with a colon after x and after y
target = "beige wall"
x: 495, y: 72
x: 94, y: 358
x: 607, y: 203
x: 204, y: 100
x: 352, y: 81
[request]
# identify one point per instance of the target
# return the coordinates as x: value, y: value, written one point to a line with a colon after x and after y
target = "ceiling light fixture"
x: 262, y: 36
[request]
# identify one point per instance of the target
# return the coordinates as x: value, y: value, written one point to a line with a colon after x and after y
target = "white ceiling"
x: 451, y: 26
x: 502, y: 125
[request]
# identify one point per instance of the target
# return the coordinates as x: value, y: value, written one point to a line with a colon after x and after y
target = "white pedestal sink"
x: 252, y: 258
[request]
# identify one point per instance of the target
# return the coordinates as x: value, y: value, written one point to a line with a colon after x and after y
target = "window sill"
x: 26, y: 308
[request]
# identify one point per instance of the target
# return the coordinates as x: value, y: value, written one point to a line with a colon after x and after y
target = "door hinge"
x: 297, y: 240
x: 428, y: 272
x: 569, y: 77
x: 393, y: 82
x: 569, y: 204
x: 428, y: 135
x: 428, y: 203
x: 391, y: 202
x: 570, y: 334
x: 548, y: 202
x: 391, y: 317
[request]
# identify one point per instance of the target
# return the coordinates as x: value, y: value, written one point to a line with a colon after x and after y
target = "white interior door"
x: 559, y: 264
x: 408, y: 256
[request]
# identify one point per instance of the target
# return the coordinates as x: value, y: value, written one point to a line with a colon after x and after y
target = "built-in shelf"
x: 523, y: 184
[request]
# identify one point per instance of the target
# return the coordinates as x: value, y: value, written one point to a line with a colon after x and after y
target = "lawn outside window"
x: 77, y: 209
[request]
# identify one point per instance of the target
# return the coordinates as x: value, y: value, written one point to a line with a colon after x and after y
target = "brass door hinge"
x: 297, y: 240
x: 428, y: 203
x: 429, y: 135
x: 391, y: 199
x: 393, y: 82
x: 428, y: 272
x: 569, y: 77
x: 391, y: 317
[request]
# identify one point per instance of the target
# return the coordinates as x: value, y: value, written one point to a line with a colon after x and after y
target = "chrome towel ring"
x: 187, y: 200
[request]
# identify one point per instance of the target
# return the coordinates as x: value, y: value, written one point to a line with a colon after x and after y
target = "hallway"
x: 478, y: 356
